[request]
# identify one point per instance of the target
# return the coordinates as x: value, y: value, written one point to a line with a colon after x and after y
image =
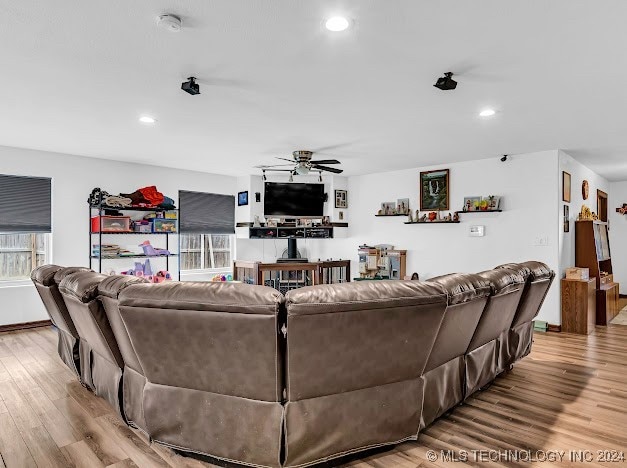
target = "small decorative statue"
x: 380, y: 213
x: 622, y: 210
x: 456, y: 217
x: 417, y: 215
x: 410, y: 217
x: 423, y: 218
x: 256, y: 223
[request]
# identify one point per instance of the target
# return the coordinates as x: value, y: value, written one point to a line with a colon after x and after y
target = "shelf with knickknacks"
x: 433, y: 217
x: 623, y: 209
x: 401, y: 208
x: 489, y: 204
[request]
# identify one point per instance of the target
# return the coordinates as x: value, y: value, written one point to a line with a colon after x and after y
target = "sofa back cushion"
x: 108, y: 293
x: 353, y: 336
x: 539, y: 279
x: 214, y: 337
x: 507, y: 287
x: 48, y: 289
x: 467, y: 297
x: 80, y: 291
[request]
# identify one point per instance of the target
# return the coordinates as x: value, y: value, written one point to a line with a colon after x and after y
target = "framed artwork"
x: 341, y: 199
x: 566, y: 218
x: 471, y: 203
x: 242, y: 198
x: 494, y: 202
x: 388, y: 208
x: 565, y: 186
x: 585, y: 189
x: 434, y: 190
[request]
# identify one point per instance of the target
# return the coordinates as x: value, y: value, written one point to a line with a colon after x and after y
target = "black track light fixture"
x: 504, y: 158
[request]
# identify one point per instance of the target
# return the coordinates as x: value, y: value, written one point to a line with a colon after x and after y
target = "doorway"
x: 602, y: 205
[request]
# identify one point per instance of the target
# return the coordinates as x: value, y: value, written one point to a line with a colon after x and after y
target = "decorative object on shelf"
x: 423, y: 218
x: 433, y: 216
x: 566, y: 218
x: 341, y: 199
x: 410, y: 217
x: 326, y: 221
x: 585, y: 189
x: 389, y: 208
x: 623, y: 209
x: 151, y: 251
x: 271, y: 222
x: 242, y: 198
x: 585, y: 214
x: 456, y: 217
x: 222, y: 278
x: 341, y: 215
x: 471, y: 202
x: 565, y: 187
x: 402, y: 206
x: 434, y: 190
x: 256, y: 223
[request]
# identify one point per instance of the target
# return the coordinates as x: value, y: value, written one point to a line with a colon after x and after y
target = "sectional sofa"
x: 247, y: 375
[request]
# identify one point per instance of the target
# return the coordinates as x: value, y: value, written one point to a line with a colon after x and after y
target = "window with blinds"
x: 25, y: 225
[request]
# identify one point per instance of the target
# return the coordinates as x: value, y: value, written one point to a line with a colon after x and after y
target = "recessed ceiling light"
x: 337, y: 24
x: 147, y: 119
x: 487, y: 113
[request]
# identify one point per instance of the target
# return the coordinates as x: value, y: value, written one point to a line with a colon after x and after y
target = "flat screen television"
x: 293, y: 200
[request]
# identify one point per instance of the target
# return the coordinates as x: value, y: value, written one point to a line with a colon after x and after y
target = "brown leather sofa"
x: 244, y: 374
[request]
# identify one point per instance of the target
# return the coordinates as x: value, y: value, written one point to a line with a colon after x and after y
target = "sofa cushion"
x: 113, y: 285
x: 83, y: 285
x: 352, y: 296
x: 63, y: 272
x: 503, y: 280
x: 462, y: 287
x: 538, y: 270
x: 44, y: 274
x: 218, y: 297
x: 519, y: 268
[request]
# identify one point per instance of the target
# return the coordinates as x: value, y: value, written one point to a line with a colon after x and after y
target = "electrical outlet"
x: 541, y: 241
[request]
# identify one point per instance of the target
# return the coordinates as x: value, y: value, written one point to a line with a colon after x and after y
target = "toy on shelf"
x: 151, y: 251
x: 222, y: 278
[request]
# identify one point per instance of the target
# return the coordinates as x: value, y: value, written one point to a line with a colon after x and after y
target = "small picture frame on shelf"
x: 494, y: 202
x: 471, y: 203
x: 388, y: 208
x: 242, y: 198
x: 341, y: 199
x: 402, y: 206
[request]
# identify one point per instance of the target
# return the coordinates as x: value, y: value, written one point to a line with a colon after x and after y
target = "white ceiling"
x: 76, y: 74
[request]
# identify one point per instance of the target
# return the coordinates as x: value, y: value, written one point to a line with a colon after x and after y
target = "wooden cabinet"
x: 607, y: 303
x: 579, y: 306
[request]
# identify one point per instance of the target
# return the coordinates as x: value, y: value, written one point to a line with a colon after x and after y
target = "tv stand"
x: 292, y: 252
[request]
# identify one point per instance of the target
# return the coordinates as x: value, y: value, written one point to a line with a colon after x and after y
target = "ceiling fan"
x: 303, y: 164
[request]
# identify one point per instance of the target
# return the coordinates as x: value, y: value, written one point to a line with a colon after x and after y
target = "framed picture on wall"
x: 566, y: 218
x: 242, y: 198
x: 434, y: 190
x: 565, y: 186
x: 341, y: 199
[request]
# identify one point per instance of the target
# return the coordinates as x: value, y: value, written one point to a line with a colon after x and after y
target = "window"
x: 21, y: 253
x: 25, y: 225
x: 206, y: 251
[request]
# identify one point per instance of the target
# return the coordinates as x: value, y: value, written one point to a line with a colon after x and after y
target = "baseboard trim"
x: 555, y: 328
x: 25, y: 325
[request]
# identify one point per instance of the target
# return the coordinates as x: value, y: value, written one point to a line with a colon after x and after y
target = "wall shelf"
x: 432, y: 222
x: 385, y: 216
x: 480, y: 211
x: 113, y: 257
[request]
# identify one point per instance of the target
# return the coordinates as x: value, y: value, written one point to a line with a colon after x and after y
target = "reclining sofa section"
x: 244, y: 374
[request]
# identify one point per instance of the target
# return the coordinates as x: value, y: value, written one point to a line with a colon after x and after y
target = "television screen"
x: 293, y: 200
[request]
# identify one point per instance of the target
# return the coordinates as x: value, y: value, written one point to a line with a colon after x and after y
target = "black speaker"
x: 257, y: 197
x: 326, y: 197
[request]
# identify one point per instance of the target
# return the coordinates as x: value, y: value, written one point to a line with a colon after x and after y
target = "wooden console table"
x: 284, y: 276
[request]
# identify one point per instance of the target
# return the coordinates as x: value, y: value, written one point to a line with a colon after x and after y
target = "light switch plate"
x: 477, y: 231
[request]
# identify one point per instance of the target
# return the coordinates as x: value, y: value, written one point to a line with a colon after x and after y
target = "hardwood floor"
x: 569, y: 395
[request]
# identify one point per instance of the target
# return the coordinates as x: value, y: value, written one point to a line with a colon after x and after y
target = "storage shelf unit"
x: 96, y: 239
x: 285, y: 232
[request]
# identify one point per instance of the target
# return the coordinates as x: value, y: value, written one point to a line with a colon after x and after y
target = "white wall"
x: 73, y: 178
x: 618, y: 233
x: 527, y: 185
x: 578, y: 173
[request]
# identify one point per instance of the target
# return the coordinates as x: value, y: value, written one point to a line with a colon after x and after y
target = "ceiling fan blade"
x: 285, y: 159
x: 325, y: 161
x: 332, y: 147
x: 324, y: 168
x: 266, y: 166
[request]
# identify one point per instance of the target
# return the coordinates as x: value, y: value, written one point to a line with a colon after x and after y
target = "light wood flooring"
x: 570, y: 394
